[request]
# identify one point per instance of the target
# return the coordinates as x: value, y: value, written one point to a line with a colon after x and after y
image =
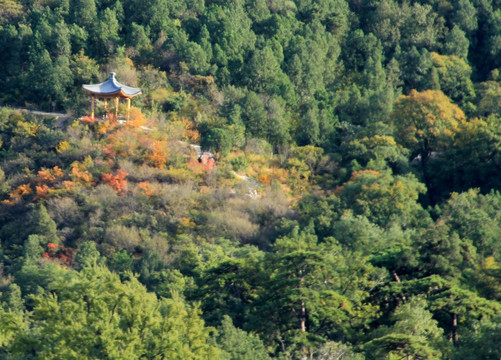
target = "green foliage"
x: 448, y: 302
x: 121, y: 262
x: 310, y: 295
x: 44, y: 226
x: 473, y: 217
x: 370, y: 151
x: 442, y: 251
x: 239, y: 163
x: 84, y: 12
x: 364, y: 215
x: 475, y: 143
x: 229, y: 287
x: 87, y: 255
x: 130, y: 321
x: 264, y: 74
x: 237, y: 344
x: 454, y: 77
x: 11, y: 325
x: 13, y: 299
x: 218, y: 140
x: 381, y: 197
x: 414, y: 333
x: 456, y: 43
x: 33, y: 250
x: 480, y: 342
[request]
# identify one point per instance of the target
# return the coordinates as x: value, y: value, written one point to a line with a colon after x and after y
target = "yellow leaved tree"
x: 426, y: 123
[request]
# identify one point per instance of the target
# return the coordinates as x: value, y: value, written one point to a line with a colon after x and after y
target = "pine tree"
x: 44, y: 226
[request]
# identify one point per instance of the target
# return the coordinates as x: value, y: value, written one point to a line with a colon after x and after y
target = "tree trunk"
x: 425, y: 156
x: 302, y: 317
x: 454, y: 329
x: 397, y: 279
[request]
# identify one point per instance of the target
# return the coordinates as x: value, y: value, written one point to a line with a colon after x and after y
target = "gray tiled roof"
x: 112, y: 87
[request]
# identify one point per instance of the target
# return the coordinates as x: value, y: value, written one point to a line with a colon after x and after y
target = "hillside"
x: 347, y: 205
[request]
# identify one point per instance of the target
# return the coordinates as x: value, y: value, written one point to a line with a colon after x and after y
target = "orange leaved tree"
x: 117, y: 181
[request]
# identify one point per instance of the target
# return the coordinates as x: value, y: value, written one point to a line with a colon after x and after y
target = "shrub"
x: 240, y: 163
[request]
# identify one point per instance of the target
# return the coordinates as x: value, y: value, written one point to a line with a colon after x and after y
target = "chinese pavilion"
x: 111, y: 89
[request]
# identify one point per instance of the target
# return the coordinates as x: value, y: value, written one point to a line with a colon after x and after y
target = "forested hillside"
x: 353, y: 212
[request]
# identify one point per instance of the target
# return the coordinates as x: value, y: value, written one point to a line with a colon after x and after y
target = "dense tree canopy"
x: 305, y: 179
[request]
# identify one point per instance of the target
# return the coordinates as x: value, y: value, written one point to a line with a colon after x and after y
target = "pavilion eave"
x: 120, y: 93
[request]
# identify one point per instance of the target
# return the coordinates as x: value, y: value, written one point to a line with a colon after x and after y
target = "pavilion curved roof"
x: 112, y: 88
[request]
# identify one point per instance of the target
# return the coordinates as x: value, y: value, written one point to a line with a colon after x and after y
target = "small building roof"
x: 112, y: 88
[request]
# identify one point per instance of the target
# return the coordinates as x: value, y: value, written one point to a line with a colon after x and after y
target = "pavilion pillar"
x: 106, y: 105
x: 116, y: 108
x: 128, y: 109
x: 92, y: 107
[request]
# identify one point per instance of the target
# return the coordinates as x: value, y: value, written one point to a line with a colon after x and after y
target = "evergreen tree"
x: 44, y: 226
x: 84, y: 13
x: 33, y: 250
x: 236, y: 344
x: 456, y: 43
x: 413, y: 335
x: 481, y: 342
x: 129, y: 321
x: 87, y: 255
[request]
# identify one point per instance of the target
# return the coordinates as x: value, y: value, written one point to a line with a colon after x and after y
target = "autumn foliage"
x: 107, y: 125
x: 117, y: 181
x: 157, y: 154
x: 50, y: 175
x: 88, y: 120
x: 58, y: 252
x: 42, y: 191
x: 16, y: 195
x: 146, y: 188
x: 136, y: 119
x: 80, y: 174
x: 426, y: 121
x: 191, y: 133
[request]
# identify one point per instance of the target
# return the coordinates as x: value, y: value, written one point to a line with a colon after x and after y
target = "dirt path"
x: 61, y: 118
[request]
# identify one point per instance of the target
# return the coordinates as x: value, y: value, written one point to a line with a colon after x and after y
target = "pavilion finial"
x: 112, y: 75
